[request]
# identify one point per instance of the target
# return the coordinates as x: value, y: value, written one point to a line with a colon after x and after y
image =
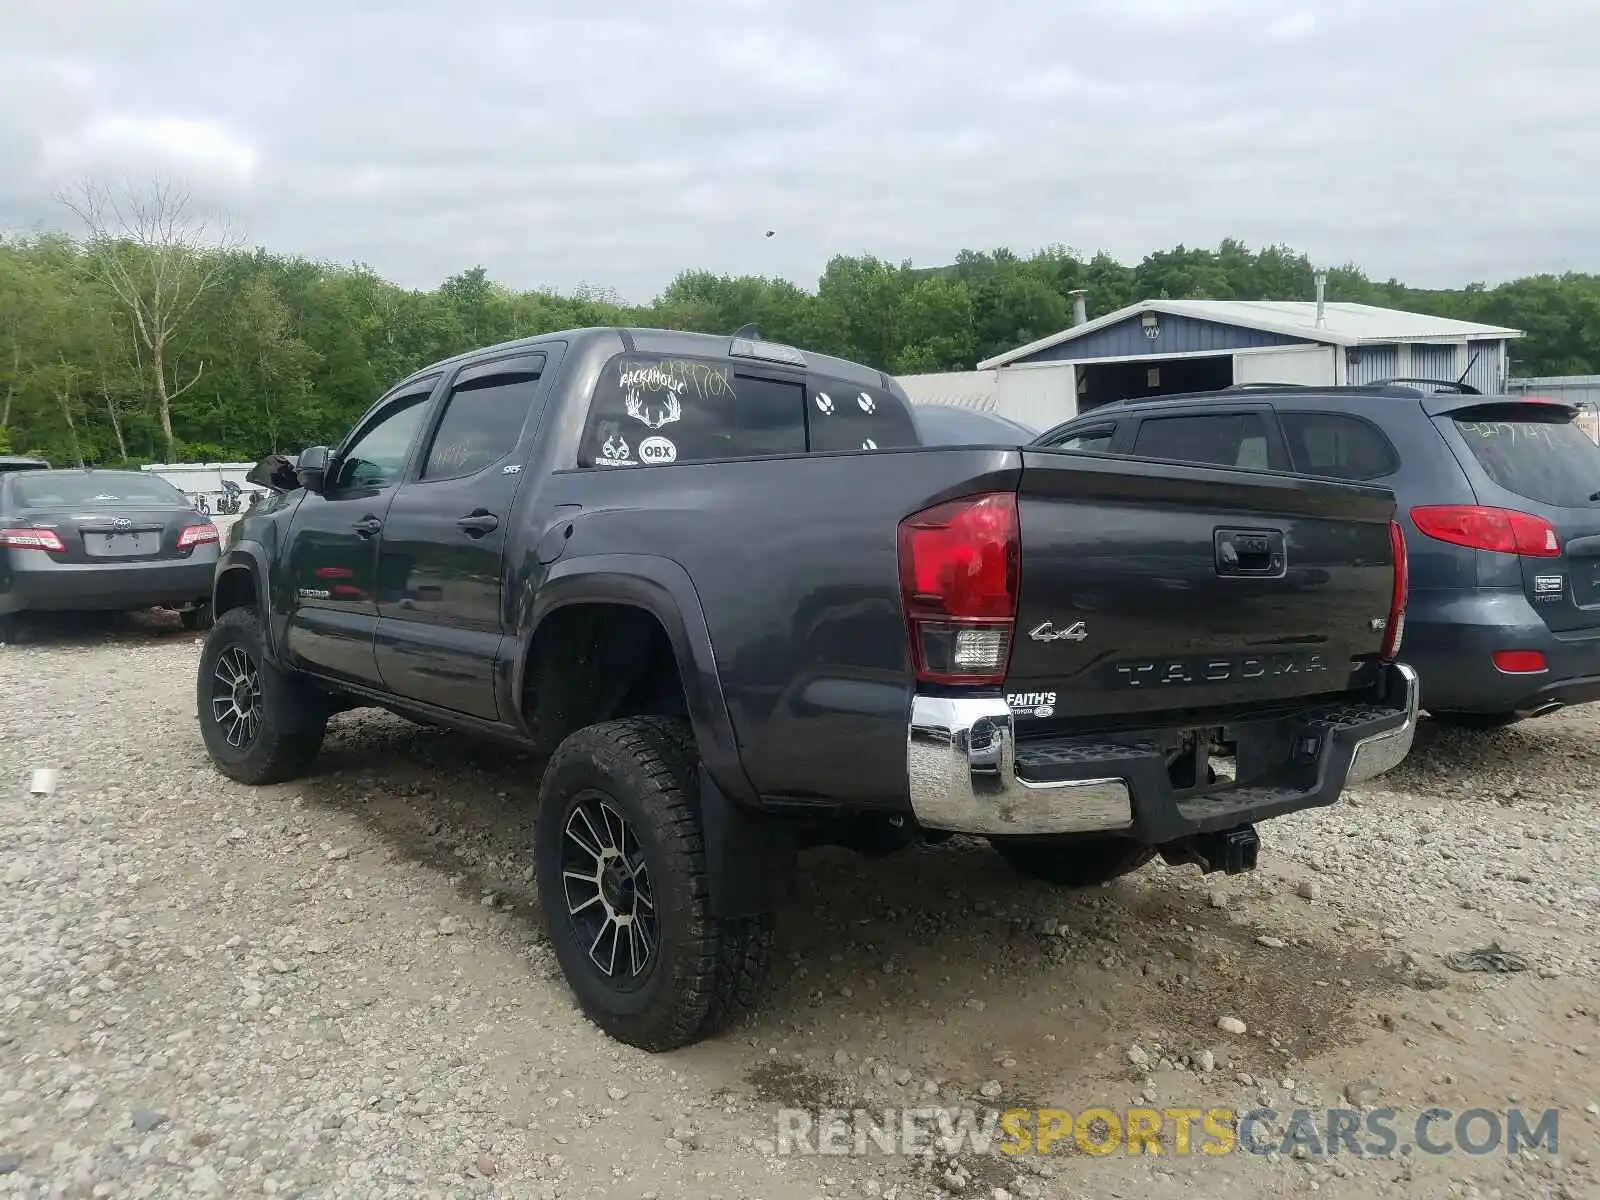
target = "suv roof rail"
x: 1407, y: 387
x: 1273, y: 387
x: 1439, y: 385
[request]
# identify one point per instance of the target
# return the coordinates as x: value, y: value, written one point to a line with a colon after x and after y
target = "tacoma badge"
x: 1047, y: 632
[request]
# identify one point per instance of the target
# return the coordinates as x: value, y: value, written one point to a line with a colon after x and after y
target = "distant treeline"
x: 249, y: 352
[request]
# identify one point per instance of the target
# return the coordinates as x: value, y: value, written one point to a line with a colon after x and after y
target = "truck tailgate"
x: 1151, y: 587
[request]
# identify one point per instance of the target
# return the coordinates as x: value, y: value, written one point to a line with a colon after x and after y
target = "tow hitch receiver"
x: 1232, y: 851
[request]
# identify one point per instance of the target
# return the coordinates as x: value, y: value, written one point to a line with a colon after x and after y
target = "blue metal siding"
x: 1485, y: 373
x: 1429, y: 361
x: 1373, y: 363
x: 1179, y: 335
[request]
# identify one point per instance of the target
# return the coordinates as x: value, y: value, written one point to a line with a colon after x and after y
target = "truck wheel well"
x: 590, y: 663
x: 235, y: 589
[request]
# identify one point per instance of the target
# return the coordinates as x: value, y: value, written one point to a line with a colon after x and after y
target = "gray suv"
x: 1499, y: 498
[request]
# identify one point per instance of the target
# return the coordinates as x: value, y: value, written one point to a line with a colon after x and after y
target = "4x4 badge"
x: 1047, y: 632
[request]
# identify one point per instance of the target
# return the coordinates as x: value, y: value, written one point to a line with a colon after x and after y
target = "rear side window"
x: 482, y: 423
x: 1220, y: 439
x: 652, y: 409
x: 1097, y: 440
x: 1339, y: 446
x: 847, y: 416
x: 1543, y: 458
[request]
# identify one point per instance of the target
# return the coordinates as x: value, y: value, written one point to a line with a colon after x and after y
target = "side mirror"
x: 312, y: 468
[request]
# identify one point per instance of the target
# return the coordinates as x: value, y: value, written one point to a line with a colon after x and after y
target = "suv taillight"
x: 1395, y: 630
x: 197, y: 535
x: 32, y: 539
x: 1502, y: 530
x: 960, y: 563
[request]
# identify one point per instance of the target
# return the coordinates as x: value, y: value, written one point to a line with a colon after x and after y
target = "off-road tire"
x: 705, y: 972
x: 1074, y: 861
x: 293, y: 712
x: 197, y: 618
x: 1475, y: 720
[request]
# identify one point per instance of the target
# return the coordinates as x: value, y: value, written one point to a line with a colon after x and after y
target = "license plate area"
x: 121, y: 545
x: 1583, y: 577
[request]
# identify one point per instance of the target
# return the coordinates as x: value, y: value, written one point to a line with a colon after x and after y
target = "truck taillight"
x: 1478, y: 527
x: 1395, y: 629
x: 197, y: 535
x: 32, y: 539
x: 959, y: 568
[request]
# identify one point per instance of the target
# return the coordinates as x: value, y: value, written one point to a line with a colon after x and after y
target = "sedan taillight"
x: 32, y: 539
x: 197, y: 535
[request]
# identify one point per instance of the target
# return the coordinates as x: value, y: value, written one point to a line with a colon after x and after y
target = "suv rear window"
x: 1220, y: 439
x: 1339, y: 446
x: 1537, y: 455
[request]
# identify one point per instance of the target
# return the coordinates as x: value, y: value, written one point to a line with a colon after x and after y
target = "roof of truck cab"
x: 658, y: 341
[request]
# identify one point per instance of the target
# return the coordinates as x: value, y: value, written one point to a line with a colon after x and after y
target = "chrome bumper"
x: 1384, y: 751
x: 962, y: 764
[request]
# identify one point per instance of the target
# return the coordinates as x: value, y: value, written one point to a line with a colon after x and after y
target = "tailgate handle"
x: 1254, y: 553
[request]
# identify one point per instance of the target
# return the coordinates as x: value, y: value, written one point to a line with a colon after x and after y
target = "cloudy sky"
x: 614, y: 144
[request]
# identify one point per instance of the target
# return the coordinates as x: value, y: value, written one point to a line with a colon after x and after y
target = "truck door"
x: 441, y: 556
x: 333, y: 541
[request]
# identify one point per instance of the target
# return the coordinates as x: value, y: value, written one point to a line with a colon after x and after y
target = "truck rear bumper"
x: 969, y: 775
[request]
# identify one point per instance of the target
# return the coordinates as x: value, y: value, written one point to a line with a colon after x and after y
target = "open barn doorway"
x: 1101, y: 383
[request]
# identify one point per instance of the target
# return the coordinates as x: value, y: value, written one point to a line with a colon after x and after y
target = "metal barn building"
x: 1159, y: 347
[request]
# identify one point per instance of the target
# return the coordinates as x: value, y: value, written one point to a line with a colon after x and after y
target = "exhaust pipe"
x: 1080, y: 306
x: 1232, y: 851
x: 1322, y: 302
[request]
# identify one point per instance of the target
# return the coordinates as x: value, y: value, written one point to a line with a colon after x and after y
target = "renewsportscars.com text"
x: 1316, y: 1133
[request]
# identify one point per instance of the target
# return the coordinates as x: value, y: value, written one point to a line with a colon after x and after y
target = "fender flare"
x: 248, y: 556
x: 662, y: 588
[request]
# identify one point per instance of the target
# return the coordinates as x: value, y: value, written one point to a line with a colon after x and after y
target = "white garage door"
x: 1293, y: 364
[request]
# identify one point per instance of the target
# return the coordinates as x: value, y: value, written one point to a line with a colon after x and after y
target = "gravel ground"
x: 341, y: 987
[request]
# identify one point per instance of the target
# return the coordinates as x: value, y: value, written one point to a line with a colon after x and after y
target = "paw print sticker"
x: 866, y: 403
x: 824, y: 404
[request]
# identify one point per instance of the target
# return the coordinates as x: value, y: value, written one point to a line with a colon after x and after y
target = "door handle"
x: 478, y: 522
x: 367, y: 526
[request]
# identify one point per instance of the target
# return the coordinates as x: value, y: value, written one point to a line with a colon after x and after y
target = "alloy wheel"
x: 236, y: 696
x: 607, y: 886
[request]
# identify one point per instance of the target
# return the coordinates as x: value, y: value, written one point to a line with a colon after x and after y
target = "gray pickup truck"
x: 743, y: 606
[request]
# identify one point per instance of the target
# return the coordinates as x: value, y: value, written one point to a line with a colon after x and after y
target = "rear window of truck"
x: 1536, y: 455
x: 651, y: 410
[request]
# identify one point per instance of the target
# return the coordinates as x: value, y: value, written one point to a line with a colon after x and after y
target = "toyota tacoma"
x: 743, y: 608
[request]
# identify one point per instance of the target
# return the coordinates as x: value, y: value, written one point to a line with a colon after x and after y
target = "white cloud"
x: 1439, y: 142
x: 200, y: 151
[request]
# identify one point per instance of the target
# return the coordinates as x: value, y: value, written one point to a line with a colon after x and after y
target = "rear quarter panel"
x: 794, y: 562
